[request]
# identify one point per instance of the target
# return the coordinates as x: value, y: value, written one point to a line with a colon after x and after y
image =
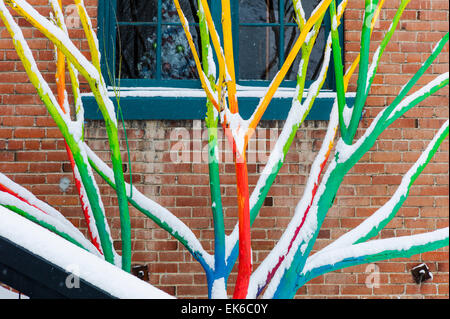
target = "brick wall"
x: 32, y: 153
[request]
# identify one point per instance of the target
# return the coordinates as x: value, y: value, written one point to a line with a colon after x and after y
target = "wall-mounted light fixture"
x: 421, y: 273
x: 140, y: 271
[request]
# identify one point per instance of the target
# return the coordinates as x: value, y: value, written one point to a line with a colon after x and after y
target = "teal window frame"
x: 189, y: 107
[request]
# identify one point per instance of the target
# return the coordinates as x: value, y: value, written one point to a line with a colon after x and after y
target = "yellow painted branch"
x: 201, y: 74
x: 298, y: 9
x: 286, y: 65
x: 229, y: 55
x: 90, y: 34
x: 217, y: 48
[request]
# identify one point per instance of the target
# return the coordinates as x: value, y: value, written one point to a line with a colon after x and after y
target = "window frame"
x: 160, y: 107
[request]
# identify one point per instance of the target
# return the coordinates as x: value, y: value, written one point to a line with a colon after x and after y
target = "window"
x: 143, y: 44
x: 151, y: 47
x: 268, y: 28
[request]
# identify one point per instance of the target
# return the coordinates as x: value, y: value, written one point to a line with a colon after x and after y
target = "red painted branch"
x: 84, y: 202
x: 61, y: 95
x: 5, y: 189
x: 297, y: 230
x: 245, y: 251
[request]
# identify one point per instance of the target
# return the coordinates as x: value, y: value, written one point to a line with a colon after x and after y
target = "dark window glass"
x: 258, y: 52
x: 177, y: 61
x: 151, y: 43
x: 137, y: 47
x: 137, y: 10
x: 265, y: 39
x: 257, y: 11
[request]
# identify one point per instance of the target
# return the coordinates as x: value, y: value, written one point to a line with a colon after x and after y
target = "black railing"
x: 36, y: 277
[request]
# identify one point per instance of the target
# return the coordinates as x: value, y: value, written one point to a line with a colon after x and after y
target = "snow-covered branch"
x: 372, y: 251
x: 56, y: 225
x: 160, y: 215
x: 371, y: 226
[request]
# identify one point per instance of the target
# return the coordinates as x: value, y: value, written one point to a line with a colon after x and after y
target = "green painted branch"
x: 90, y: 34
x: 408, y: 180
x: 73, y: 73
x: 49, y: 227
x: 370, y: 7
x: 372, y: 251
x: 387, y: 117
x: 161, y: 216
x: 338, y: 68
x: 214, y: 182
x: 212, y: 121
x: 106, y: 107
x: 378, y: 220
x: 314, y: 91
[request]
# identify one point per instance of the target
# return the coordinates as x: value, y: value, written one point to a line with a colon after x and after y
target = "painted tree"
x: 289, y: 265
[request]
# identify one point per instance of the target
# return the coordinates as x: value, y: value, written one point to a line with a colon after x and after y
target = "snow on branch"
x: 371, y: 226
x: 160, y: 215
x: 371, y: 251
x: 56, y: 225
x: 351, y: 153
